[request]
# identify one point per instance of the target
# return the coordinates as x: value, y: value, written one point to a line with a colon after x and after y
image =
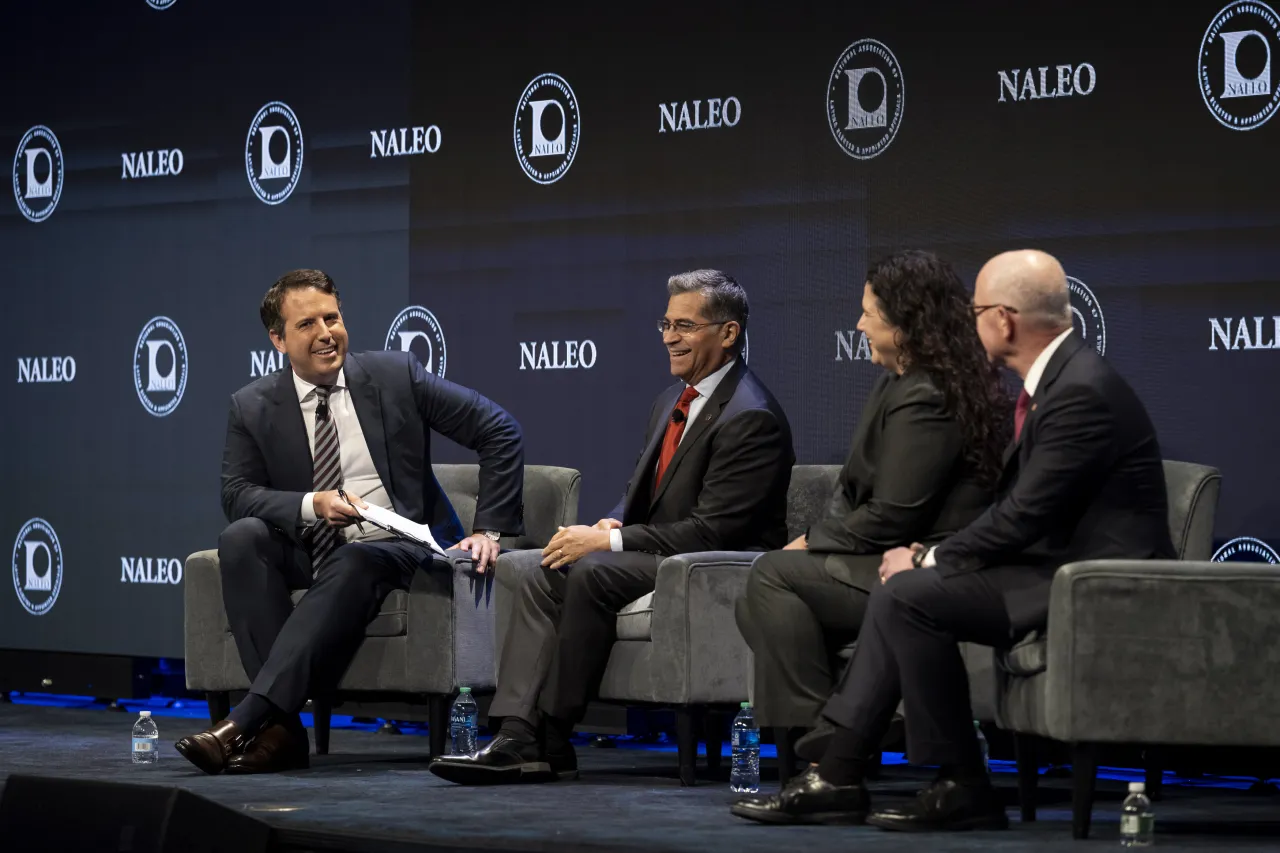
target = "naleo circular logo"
x: 1238, y: 71
x: 865, y: 99
x: 37, y: 173
x: 547, y: 128
x: 1246, y: 549
x: 1086, y: 315
x: 37, y: 566
x: 160, y: 366
x: 273, y: 152
x: 416, y: 330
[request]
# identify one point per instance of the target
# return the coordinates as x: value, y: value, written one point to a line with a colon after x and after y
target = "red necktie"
x: 675, y: 429
x: 1020, y: 413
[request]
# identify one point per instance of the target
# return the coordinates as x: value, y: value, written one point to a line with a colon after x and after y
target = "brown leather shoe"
x: 274, y: 750
x: 213, y: 748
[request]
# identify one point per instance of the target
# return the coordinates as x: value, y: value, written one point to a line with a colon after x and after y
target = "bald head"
x: 1032, y: 282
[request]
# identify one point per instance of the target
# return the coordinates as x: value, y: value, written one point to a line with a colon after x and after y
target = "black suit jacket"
x: 266, y: 466
x: 1084, y: 481
x: 906, y: 479
x: 726, y: 486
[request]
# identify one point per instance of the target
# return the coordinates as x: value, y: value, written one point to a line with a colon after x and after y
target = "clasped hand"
x: 571, y: 544
x: 898, y: 560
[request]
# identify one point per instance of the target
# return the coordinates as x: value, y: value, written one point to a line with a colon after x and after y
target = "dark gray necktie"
x: 326, y: 465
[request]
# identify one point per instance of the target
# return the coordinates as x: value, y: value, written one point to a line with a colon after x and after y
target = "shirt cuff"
x: 929, y: 562
x: 308, y: 507
x: 615, y: 539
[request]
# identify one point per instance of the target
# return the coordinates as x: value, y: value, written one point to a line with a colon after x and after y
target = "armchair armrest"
x: 1164, y: 651
x: 699, y: 654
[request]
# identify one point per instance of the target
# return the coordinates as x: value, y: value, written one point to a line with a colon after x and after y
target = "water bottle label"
x: 142, y: 744
x: 744, y: 739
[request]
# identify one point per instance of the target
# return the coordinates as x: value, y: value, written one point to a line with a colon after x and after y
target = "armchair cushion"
x: 636, y: 619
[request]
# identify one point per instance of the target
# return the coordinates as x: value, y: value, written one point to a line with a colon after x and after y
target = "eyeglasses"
x: 684, y: 328
x: 978, y: 309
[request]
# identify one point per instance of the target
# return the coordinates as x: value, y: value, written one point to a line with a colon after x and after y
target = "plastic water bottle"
x: 146, y: 737
x: 984, y: 746
x: 462, y: 723
x: 1137, y: 820
x: 744, y: 775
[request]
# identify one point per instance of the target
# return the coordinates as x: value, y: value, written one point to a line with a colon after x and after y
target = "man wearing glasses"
x: 712, y: 476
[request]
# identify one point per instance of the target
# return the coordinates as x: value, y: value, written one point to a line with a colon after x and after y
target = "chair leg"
x: 786, y: 754
x: 437, y: 723
x: 1084, y: 774
x: 713, y: 734
x: 687, y: 744
x: 1024, y: 747
x: 321, y: 713
x: 1153, y: 774
x: 219, y: 705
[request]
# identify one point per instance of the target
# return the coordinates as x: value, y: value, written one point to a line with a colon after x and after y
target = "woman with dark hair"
x: 924, y: 463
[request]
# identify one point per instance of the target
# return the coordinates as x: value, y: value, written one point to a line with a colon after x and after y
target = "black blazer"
x: 1085, y: 481
x: 906, y: 479
x: 726, y: 487
x: 266, y: 466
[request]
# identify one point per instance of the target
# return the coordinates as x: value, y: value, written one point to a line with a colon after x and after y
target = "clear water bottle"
x: 1137, y: 820
x: 146, y: 737
x: 744, y: 774
x: 463, y: 722
x: 983, y: 745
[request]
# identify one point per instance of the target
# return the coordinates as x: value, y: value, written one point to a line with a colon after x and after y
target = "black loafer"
x: 505, y: 761
x: 946, y: 806
x: 808, y: 799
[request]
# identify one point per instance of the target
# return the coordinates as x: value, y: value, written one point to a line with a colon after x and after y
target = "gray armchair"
x: 426, y: 641
x: 1147, y: 652
x: 679, y: 646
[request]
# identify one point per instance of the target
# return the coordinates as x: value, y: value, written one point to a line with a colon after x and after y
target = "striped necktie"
x: 326, y: 463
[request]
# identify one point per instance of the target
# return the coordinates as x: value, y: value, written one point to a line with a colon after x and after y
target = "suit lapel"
x: 291, y: 444
x: 643, y: 477
x: 368, y: 405
x: 1057, y: 361
x: 693, y: 432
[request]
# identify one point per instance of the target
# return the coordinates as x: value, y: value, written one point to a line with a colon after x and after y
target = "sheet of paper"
x: 399, y: 524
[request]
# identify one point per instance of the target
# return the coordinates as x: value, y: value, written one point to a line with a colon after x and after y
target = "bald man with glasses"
x: 712, y: 476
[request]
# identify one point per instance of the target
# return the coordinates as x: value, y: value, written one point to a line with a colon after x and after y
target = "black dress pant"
x: 562, y: 631
x: 291, y: 653
x: 796, y: 617
x: 908, y: 651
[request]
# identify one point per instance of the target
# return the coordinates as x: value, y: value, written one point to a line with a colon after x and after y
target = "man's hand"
x: 895, y: 560
x: 336, y: 511
x: 571, y: 544
x: 607, y: 524
x: 800, y: 543
x: 484, y: 551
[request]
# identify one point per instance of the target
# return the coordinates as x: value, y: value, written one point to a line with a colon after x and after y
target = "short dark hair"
x: 295, y: 280
x: 726, y: 300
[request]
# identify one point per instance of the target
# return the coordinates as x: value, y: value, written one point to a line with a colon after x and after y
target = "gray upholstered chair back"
x: 1193, y: 504
x: 550, y: 499
x: 809, y: 497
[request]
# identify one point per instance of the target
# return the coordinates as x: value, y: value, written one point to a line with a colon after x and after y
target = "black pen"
x: 343, y: 495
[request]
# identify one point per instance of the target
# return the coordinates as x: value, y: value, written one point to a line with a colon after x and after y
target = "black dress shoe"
x: 210, y: 750
x: 564, y: 762
x: 812, y: 746
x: 505, y: 761
x: 946, y: 805
x: 807, y: 798
x: 276, y: 749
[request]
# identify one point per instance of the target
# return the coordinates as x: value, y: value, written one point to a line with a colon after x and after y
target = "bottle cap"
x: 464, y: 689
x: 1137, y: 788
x: 746, y: 704
x: 146, y: 713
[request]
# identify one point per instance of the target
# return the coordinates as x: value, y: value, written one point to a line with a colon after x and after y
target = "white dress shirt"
x: 705, y: 389
x: 359, y: 477
x: 1029, y: 384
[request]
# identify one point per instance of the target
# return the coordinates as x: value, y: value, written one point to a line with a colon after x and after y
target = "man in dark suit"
x: 307, y: 448
x: 713, y: 475
x: 1083, y: 480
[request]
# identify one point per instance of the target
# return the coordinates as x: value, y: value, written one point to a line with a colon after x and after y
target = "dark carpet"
x: 377, y: 787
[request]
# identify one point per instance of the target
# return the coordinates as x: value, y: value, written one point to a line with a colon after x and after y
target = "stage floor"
x: 373, y: 792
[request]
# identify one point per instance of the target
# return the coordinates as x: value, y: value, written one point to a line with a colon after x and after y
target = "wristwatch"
x: 491, y: 535
x: 917, y: 558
